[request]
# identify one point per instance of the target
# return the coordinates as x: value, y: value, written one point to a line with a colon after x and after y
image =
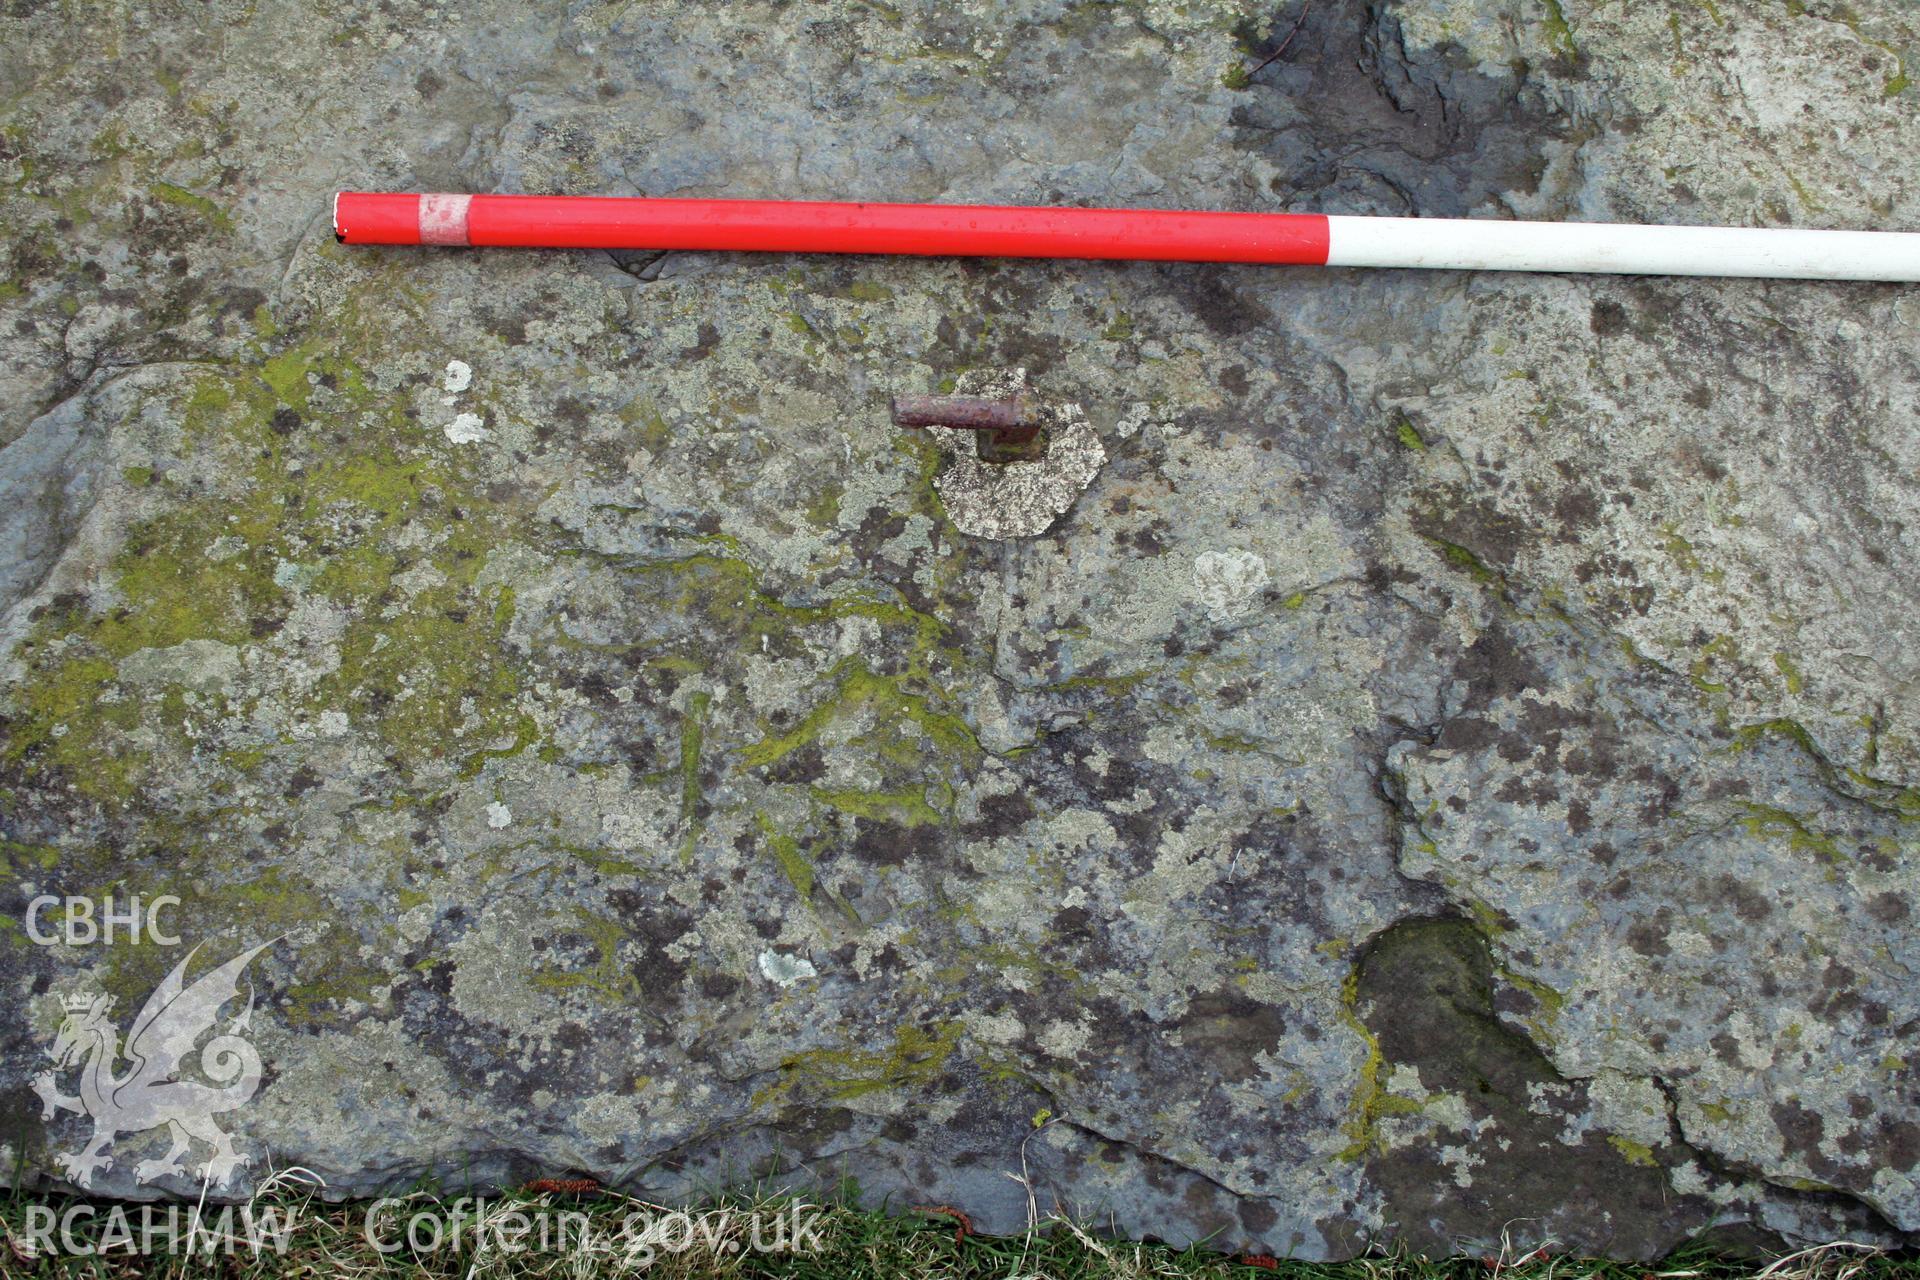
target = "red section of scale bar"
x: 801, y: 226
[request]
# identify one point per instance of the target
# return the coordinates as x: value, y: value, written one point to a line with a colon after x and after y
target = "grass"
x: 500, y: 1237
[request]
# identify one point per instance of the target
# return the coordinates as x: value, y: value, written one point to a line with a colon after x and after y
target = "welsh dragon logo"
x: 147, y: 1094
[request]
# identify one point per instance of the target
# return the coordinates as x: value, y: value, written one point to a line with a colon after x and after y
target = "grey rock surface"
x: 1451, y: 772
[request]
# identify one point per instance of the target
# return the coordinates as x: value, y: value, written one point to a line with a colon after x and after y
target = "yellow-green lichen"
x: 799, y: 871
x: 322, y: 938
x: 907, y: 807
x: 1370, y: 1102
x: 907, y: 726
x: 606, y: 975
x: 181, y: 198
x: 1464, y: 560
x: 1633, y: 1152
x: 915, y: 1057
x: 1558, y: 31
x: 421, y: 661
x: 786, y: 853
x: 1548, y: 1003
x: 1773, y: 823
x: 693, y: 725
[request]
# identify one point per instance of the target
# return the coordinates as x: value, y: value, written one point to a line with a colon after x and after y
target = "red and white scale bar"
x: 806, y: 226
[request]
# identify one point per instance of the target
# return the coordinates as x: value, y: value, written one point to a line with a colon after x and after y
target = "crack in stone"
x: 1847, y: 1203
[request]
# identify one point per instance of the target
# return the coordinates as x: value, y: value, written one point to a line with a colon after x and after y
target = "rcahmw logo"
x: 132, y: 1088
x: 84, y: 1230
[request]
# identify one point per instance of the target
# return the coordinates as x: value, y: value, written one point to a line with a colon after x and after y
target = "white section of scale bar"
x: 1490, y: 244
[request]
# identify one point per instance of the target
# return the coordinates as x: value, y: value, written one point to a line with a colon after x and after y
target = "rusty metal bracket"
x: 1010, y: 427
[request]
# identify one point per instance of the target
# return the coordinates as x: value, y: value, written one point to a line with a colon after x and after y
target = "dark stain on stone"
x: 888, y: 844
x: 1579, y: 816
x: 1748, y: 903
x: 1425, y: 990
x: 1900, y: 1145
x: 1468, y: 733
x: 1609, y: 318
x: 804, y: 764
x: 1073, y: 923
x: 1000, y: 816
x: 20, y: 1124
x: 1649, y: 937
x: 1888, y: 907
x: 1803, y: 1131
x: 1209, y: 295
x: 1354, y: 119
x: 1576, y: 509
x: 1496, y: 667
x: 706, y: 340
x: 1229, y: 1030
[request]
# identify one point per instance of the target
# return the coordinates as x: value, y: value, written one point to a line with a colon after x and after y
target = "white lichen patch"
x: 1229, y: 584
x: 996, y: 1028
x: 1462, y: 1160
x: 1404, y: 1081
x: 499, y: 816
x: 1690, y: 943
x: 494, y: 973
x: 291, y: 576
x: 1137, y: 416
x: 786, y: 970
x: 206, y: 666
x: 458, y: 378
x: 643, y: 822
x: 467, y: 428
x: 1065, y: 1039
x: 416, y: 925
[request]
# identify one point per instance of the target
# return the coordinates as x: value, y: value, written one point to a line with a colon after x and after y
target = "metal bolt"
x: 1009, y: 427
